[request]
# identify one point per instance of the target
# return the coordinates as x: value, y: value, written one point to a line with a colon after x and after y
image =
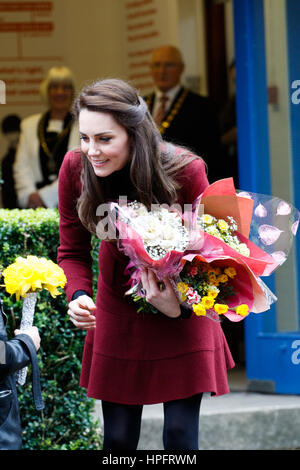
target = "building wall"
x: 92, y: 37
x: 96, y: 39
x: 276, y: 40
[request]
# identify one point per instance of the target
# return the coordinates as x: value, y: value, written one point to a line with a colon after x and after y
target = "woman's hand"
x: 164, y: 300
x: 80, y: 312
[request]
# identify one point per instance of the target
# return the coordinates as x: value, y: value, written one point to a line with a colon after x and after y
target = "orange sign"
x: 31, y: 33
x: 25, y: 6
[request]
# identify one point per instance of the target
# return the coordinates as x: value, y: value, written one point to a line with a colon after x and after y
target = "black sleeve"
x: 78, y: 293
x: 16, y: 357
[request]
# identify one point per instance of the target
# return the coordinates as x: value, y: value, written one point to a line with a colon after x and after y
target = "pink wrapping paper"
x: 266, y: 224
x: 246, y: 284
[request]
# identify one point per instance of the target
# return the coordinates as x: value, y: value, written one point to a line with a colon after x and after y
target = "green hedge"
x: 65, y: 423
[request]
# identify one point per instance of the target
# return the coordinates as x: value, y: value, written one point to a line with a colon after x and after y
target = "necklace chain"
x: 42, y: 136
x: 173, y: 111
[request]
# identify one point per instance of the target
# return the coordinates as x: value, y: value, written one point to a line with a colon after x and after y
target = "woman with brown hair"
x: 133, y: 359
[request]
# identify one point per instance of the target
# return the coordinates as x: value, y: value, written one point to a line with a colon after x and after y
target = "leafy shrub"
x: 66, y: 422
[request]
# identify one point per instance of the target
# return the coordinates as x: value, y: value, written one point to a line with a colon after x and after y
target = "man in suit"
x: 183, y: 117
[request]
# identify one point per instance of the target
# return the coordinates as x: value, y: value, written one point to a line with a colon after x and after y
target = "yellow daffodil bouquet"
x: 27, y: 276
x: 32, y: 274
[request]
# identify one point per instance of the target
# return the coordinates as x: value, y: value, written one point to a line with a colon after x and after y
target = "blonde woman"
x: 44, y: 140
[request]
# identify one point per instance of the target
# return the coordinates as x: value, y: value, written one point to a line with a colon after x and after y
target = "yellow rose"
x: 230, y: 271
x: 199, y: 310
x: 242, y: 309
x: 221, y: 308
x: 213, y: 293
x: 222, y: 225
x: 182, y: 287
x: 207, y: 219
x: 222, y: 278
x: 212, y: 278
x: 207, y: 302
x: 211, y: 270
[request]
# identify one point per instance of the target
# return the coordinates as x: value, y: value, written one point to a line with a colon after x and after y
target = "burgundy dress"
x: 136, y: 358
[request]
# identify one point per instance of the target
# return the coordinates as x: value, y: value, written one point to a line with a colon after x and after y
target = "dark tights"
x: 122, y: 424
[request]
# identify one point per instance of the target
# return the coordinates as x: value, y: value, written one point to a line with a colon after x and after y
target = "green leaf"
x: 66, y: 423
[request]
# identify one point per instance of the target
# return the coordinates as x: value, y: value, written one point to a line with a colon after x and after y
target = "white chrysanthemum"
x: 212, y: 230
x: 160, y: 229
x: 223, y: 230
x: 149, y: 227
x: 243, y: 249
x: 142, y: 210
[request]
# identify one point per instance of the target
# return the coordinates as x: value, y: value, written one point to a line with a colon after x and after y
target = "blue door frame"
x: 272, y: 357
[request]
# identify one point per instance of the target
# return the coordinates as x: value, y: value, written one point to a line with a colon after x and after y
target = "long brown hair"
x: 153, y: 166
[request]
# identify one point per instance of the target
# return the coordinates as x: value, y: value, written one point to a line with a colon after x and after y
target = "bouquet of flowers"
x: 237, y: 250
x: 155, y: 239
x: 24, y: 278
x: 221, y: 286
x: 215, y: 265
x: 208, y: 286
x: 31, y: 274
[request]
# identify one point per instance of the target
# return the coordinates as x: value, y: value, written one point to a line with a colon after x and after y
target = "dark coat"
x: 192, y: 122
x: 13, y: 356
